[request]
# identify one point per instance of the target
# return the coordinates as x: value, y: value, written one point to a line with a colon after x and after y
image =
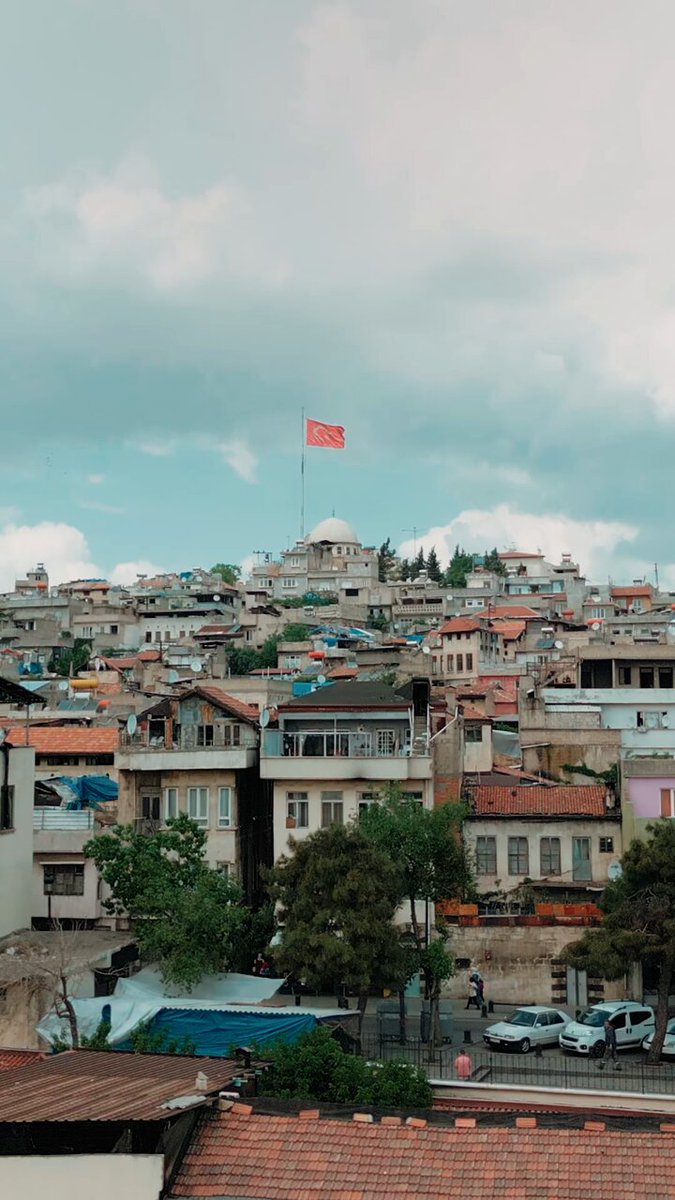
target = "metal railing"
x: 63, y: 819
x: 548, y: 1069
x: 187, y: 740
x: 277, y: 744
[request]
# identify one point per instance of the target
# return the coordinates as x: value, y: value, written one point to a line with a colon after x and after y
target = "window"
x: 665, y: 677
x: 646, y: 677
x: 450, y: 662
x: 549, y: 856
x: 224, y: 807
x: 148, y: 636
x: 625, y: 676
x: 7, y: 807
x: 486, y: 856
x: 289, y: 583
x: 368, y: 798
x: 297, y: 809
x: 226, y: 869
x: 232, y: 735
x: 63, y: 879
x: 607, y: 845
x: 170, y: 804
x: 473, y: 733
x: 385, y: 741
x: 519, y: 856
x: 639, y: 1017
x: 198, y: 806
x: 460, y: 662
x: 667, y: 802
x: 469, y: 662
x: 331, y: 809
x: 150, y: 808
x: 205, y: 735
x: 581, y: 859
x: 114, y: 628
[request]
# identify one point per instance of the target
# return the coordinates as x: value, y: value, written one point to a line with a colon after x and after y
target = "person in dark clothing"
x: 610, y: 1046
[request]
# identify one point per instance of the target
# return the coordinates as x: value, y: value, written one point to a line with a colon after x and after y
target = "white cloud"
x: 156, y: 449
x: 124, y: 226
x: 239, y: 456
x: 95, y: 480
x: 593, y: 544
x: 99, y: 506
x: 126, y: 572
x: 61, y: 547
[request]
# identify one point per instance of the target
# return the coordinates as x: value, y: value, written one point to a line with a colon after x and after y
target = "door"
x: 621, y: 1024
x: 581, y: 859
x: 577, y: 988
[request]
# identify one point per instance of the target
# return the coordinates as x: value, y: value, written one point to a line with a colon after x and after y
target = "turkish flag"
x: 331, y: 437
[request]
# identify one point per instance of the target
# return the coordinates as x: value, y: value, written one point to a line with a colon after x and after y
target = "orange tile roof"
x: 248, y: 712
x: 639, y: 589
x: 559, y: 801
x: 343, y: 673
x: 512, y: 610
x: 63, y: 739
x: 471, y: 712
x: 509, y: 630
x: 460, y: 625
x: 256, y: 1157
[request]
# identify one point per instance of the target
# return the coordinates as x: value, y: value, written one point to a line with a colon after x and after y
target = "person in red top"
x: 463, y: 1065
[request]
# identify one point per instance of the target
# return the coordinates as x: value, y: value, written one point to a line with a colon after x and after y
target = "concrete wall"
x: 16, y: 845
x: 502, y: 830
x: 515, y: 962
x: 81, y: 1176
x: 547, y: 749
x: 222, y: 844
x: 478, y: 755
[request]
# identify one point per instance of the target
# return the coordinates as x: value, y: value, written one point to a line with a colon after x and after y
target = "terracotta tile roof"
x: 282, y: 1158
x: 558, y: 801
x: 89, y: 1085
x: 248, y: 712
x: 512, y: 610
x: 343, y: 673
x: 471, y: 712
x: 509, y: 630
x: 639, y: 589
x: 149, y: 656
x: 63, y: 739
x: 10, y: 1059
x: 460, y: 625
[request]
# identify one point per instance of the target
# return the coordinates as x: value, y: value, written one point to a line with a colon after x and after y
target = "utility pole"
x: 414, y: 533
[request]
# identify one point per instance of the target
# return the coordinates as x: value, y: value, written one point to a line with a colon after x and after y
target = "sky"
x: 446, y: 226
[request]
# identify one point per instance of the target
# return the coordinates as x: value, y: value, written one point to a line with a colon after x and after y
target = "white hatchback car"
x: 532, y: 1025
x: 631, y: 1021
x: 668, y: 1050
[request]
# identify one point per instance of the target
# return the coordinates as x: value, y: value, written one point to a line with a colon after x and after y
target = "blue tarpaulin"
x: 215, y: 1032
x: 91, y: 790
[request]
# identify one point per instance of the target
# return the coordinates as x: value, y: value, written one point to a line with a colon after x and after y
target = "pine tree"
x: 460, y: 565
x: 404, y: 570
x: 418, y: 563
x: 386, y: 557
x: 433, y: 566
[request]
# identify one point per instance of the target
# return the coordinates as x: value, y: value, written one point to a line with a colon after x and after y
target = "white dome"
x: 333, y: 530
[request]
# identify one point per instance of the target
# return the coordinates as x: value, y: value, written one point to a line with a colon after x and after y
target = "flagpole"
x: 302, y: 473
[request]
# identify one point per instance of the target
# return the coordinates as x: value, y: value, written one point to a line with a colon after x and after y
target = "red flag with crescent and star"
x: 330, y: 437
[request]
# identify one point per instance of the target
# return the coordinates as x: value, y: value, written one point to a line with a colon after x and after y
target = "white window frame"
x: 232, y: 735
x: 334, y: 801
x: 385, y: 741
x: 225, y: 821
x: 198, y: 806
x: 170, y: 802
x: 297, y: 805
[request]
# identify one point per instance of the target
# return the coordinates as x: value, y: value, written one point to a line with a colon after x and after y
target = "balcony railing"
x: 382, y: 744
x: 63, y: 819
x: 189, y: 739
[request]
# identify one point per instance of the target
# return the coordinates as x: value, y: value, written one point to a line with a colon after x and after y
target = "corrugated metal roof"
x: 89, y: 1085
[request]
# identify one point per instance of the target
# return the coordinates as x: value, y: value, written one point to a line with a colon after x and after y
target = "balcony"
x: 213, y: 749
x: 63, y: 830
x: 313, y: 754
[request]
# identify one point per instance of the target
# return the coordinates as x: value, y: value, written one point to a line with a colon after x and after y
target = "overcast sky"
x: 448, y: 226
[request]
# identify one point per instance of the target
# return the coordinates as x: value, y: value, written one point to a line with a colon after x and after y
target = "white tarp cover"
x: 222, y: 989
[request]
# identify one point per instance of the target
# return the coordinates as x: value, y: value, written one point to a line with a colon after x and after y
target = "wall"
x: 502, y: 830
x: 222, y: 844
x: 16, y: 845
x: 642, y: 802
x: 546, y: 749
x: 86, y: 907
x: 478, y: 755
x: 81, y: 1176
x: 515, y: 961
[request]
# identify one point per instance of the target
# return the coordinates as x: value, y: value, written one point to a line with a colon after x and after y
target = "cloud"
x: 156, y: 449
x: 127, y: 572
x: 239, y: 456
x: 99, y: 506
x: 126, y: 227
x: 591, y: 543
x: 95, y: 480
x: 62, y: 548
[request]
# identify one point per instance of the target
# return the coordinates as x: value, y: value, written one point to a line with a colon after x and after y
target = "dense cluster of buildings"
x: 542, y: 702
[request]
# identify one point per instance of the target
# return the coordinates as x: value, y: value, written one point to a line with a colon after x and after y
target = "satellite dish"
x: 196, y: 665
x: 614, y: 870
x: 595, y: 626
x: 559, y: 645
x: 63, y: 686
x: 264, y: 718
x: 132, y: 724
x: 426, y: 649
x: 216, y: 597
x: 321, y: 679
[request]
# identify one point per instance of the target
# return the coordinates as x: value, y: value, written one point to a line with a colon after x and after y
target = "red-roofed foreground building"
x: 198, y: 754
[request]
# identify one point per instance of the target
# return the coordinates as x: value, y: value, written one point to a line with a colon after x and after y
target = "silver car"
x: 532, y: 1025
x: 668, y: 1050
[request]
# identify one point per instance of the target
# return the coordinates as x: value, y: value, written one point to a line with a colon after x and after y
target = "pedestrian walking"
x: 472, y: 1000
x: 610, y: 1046
x: 463, y: 1065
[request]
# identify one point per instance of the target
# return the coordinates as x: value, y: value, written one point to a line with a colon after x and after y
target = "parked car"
x: 586, y: 1035
x: 534, y: 1024
x: 668, y: 1049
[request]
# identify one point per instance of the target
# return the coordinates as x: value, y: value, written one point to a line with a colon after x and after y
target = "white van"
x: 586, y: 1035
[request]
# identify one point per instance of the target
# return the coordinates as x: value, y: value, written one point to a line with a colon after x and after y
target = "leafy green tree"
x: 71, y: 659
x: 268, y: 652
x: 337, y: 894
x: 434, y: 567
x: 380, y: 622
x: 295, y: 632
x: 242, y: 660
x: 461, y: 564
x: 317, y: 1068
x: 186, y: 916
x: 426, y: 847
x: 492, y: 562
x: 229, y: 572
x: 386, y: 558
x: 405, y: 570
x: 639, y: 922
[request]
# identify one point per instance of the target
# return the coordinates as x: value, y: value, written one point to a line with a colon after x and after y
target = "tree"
x: 242, y: 660
x: 295, y: 632
x: 337, y: 894
x: 386, y: 557
x: 639, y: 922
x: 317, y: 1068
x: 418, y: 564
x: 186, y: 916
x: 426, y: 847
x: 405, y: 570
x: 379, y: 622
x: 229, y: 572
x: 492, y: 562
x: 72, y: 659
x: 460, y: 565
x: 268, y: 653
x: 433, y: 566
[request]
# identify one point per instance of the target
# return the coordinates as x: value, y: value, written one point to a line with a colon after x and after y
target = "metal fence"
x: 550, y: 1069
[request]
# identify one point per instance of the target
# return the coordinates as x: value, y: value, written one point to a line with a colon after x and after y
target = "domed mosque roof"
x: 334, y: 531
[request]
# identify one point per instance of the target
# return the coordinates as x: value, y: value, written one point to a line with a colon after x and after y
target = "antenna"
x: 414, y: 533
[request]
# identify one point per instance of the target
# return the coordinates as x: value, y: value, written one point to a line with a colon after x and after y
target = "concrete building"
x: 69, y: 750
x: 66, y: 886
x: 329, y: 559
x: 17, y: 783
